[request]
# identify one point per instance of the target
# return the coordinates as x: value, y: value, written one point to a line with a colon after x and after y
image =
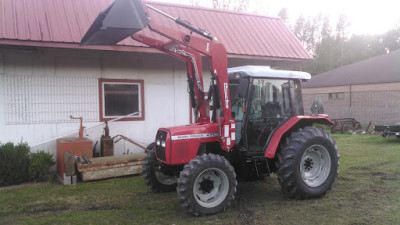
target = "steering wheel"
x: 252, y: 111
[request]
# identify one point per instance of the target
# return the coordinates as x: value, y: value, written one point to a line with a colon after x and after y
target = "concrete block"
x: 70, y: 180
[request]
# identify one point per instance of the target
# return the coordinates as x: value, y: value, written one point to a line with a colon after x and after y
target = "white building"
x: 45, y: 76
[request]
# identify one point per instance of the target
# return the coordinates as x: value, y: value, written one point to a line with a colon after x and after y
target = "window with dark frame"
x: 121, y: 97
x: 336, y: 96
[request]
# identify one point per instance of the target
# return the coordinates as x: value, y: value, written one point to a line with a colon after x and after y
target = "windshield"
x: 275, y: 99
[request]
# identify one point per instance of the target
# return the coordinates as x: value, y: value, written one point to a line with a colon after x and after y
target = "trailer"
x: 389, y: 130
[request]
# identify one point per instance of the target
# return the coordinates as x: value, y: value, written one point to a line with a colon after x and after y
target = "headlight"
x: 163, y: 144
x: 158, y: 142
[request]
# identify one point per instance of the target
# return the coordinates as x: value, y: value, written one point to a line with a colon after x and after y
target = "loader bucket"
x: 119, y: 21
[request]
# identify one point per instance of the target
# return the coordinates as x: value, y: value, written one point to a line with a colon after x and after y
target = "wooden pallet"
x: 111, y: 166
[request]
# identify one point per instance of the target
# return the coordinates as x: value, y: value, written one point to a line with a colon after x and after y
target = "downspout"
x: 350, y: 111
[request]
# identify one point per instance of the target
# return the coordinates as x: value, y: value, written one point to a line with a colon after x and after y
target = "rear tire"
x: 206, y: 185
x: 307, y: 164
x: 152, y: 175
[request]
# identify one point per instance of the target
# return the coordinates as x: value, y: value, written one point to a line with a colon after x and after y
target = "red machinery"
x: 269, y: 134
x: 80, y: 146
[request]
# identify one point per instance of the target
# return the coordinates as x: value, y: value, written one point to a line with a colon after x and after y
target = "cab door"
x: 268, y: 106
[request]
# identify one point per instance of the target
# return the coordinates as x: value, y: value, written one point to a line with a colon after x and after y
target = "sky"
x: 367, y: 17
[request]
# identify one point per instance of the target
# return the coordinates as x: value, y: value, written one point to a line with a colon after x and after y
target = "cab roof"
x: 267, y: 72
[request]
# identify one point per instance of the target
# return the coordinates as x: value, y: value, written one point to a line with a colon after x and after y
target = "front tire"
x: 206, y: 185
x: 153, y: 176
x: 307, y: 164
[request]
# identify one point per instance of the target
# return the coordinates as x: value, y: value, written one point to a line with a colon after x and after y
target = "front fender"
x: 292, y: 122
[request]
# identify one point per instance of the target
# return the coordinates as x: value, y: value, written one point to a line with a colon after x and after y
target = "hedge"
x: 18, y: 164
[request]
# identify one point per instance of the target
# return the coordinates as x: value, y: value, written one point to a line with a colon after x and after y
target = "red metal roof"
x: 62, y: 23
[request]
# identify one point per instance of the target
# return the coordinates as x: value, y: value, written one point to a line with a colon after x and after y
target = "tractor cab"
x: 262, y: 99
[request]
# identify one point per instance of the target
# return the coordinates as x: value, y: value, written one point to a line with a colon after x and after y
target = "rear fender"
x: 293, y: 123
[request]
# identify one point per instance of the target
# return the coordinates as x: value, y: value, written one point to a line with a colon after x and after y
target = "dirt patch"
x: 46, y: 208
x: 103, y: 207
x: 11, y: 187
x: 390, y: 177
x: 7, y: 222
x: 343, y: 178
x: 245, y: 216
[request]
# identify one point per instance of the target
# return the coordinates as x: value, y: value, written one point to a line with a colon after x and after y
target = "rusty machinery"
x: 76, y: 146
x: 106, y: 143
x: 344, y: 125
x: 81, y: 127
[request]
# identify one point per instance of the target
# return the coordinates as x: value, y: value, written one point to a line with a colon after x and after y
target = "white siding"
x: 2, y: 94
x: 41, y: 88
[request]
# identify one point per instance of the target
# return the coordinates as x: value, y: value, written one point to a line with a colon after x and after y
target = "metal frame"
x: 181, y: 45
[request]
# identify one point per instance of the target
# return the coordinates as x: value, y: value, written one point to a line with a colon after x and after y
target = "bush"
x: 14, y: 162
x: 18, y: 165
x: 39, y: 165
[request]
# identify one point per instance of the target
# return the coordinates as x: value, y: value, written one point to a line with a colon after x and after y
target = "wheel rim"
x: 211, y: 187
x: 315, y: 165
x: 162, y: 178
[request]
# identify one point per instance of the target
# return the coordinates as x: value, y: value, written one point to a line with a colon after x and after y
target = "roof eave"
x: 274, y: 58
x: 124, y: 48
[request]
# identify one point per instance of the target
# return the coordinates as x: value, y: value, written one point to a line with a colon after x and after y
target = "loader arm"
x: 124, y: 18
x: 194, y: 71
x: 208, y: 46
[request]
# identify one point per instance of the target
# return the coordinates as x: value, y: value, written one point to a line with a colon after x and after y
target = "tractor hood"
x: 178, y: 145
x: 194, y: 131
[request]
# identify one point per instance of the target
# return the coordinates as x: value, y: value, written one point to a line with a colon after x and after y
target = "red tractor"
x: 256, y: 127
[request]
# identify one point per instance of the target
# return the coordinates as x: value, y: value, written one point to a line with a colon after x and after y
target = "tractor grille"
x: 160, y: 144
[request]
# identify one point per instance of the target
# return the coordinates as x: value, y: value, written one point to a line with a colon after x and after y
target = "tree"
x: 391, y: 39
x: 341, y: 34
x: 308, y: 31
x: 361, y: 47
x: 299, y: 29
x: 235, y: 5
x: 283, y: 14
x: 326, y: 30
x: 195, y: 2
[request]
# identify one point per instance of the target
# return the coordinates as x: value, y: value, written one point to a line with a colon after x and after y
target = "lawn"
x: 367, y: 191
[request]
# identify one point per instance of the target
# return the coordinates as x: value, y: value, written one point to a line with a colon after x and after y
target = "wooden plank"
x: 105, y: 167
x: 111, y: 166
x: 109, y: 173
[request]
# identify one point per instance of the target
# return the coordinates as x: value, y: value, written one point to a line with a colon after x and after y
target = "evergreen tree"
x: 283, y: 14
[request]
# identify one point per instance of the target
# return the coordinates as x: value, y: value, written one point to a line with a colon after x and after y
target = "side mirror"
x: 243, y: 87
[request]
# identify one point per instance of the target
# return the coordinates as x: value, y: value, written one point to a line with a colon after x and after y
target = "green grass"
x: 367, y: 191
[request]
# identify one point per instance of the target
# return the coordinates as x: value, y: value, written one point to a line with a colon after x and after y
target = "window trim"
x: 101, y: 99
x: 333, y: 96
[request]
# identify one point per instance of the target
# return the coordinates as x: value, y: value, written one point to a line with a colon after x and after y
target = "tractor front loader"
x: 256, y: 124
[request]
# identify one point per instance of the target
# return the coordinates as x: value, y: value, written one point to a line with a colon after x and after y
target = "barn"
x: 46, y: 76
x: 367, y: 91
